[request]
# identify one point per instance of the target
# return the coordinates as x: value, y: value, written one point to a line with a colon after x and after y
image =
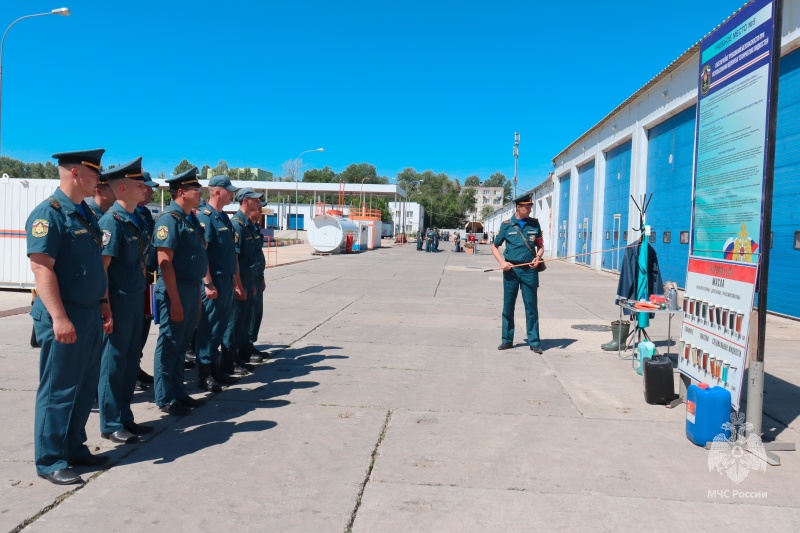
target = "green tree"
x: 17, y: 169
x: 498, y: 179
x: 486, y: 212
x: 158, y: 194
x: 324, y: 175
x: 204, y: 172
x: 182, y: 167
x: 357, y: 172
x: 221, y: 168
x: 472, y: 181
x: 446, y: 203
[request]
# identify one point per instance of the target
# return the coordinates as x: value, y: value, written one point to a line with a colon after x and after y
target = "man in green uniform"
x: 147, y: 224
x: 522, y: 236
x: 223, y: 276
x: 70, y: 315
x: 248, y: 249
x: 260, y: 284
x: 182, y: 265
x: 124, y: 246
x: 103, y: 198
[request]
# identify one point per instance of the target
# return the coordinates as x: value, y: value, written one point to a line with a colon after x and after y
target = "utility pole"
x: 516, y: 160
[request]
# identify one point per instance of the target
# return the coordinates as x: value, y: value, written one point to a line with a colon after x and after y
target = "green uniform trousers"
x: 214, y: 319
x: 119, y: 366
x: 173, y: 341
x: 525, y: 279
x: 68, y: 376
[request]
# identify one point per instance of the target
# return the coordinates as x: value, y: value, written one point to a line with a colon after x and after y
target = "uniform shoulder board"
x: 238, y: 221
x: 207, y: 212
x: 117, y: 217
x: 507, y: 221
x: 54, y: 203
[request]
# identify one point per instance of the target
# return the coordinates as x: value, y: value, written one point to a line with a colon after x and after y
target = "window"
x: 684, y: 237
x: 652, y: 236
x: 590, y: 235
x: 409, y: 213
x: 608, y: 235
x: 667, y: 237
x: 797, y: 240
x: 625, y: 236
x: 616, y: 235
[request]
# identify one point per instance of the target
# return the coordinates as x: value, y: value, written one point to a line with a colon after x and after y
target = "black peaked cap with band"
x: 131, y: 170
x: 524, y: 199
x: 149, y: 181
x: 87, y: 158
x: 184, y: 179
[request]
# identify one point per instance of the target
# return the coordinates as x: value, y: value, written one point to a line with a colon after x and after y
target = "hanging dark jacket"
x: 629, y: 274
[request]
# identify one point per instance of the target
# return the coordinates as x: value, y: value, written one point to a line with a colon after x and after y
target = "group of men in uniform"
x: 93, y: 263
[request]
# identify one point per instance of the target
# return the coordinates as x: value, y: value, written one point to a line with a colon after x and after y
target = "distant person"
x: 524, y: 244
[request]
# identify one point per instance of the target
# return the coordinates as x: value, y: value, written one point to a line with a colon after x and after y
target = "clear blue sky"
x: 440, y: 85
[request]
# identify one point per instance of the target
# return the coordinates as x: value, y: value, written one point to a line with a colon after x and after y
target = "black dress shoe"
x: 121, y: 436
x: 175, y: 409
x: 536, y: 349
x: 253, y: 350
x: 239, y: 370
x: 138, y: 429
x: 89, y: 460
x: 190, y: 355
x: 190, y: 402
x: 506, y: 346
x: 144, y: 377
x: 65, y: 476
x: 256, y: 358
x: 224, y: 379
x: 209, y: 384
x: 188, y: 365
x: 139, y: 387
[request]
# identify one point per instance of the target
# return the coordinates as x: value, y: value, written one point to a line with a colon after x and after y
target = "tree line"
x: 446, y: 202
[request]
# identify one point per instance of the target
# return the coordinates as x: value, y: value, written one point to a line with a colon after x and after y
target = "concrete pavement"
x: 388, y: 408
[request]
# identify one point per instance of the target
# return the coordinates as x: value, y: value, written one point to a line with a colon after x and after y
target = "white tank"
x: 327, y: 233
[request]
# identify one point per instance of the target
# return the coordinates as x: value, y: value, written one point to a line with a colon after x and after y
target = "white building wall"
x: 414, y: 216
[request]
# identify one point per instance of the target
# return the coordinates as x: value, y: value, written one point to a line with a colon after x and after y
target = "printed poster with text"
x: 730, y: 157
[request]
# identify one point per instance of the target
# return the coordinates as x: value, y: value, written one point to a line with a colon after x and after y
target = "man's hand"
x: 211, y: 293
x: 176, y: 311
x: 64, y: 330
x: 238, y: 292
x: 506, y: 266
x: 108, y: 321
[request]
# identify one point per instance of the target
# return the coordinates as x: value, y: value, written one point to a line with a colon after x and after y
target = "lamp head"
x: 63, y: 11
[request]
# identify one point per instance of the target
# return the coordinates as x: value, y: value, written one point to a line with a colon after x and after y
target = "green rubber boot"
x: 619, y: 330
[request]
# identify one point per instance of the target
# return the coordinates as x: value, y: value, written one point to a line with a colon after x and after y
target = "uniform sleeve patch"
x: 203, y: 225
x: 40, y: 227
x: 162, y: 233
x: 106, y: 237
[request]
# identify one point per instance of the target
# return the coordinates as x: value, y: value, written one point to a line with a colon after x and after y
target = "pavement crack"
x: 381, y: 436
x: 315, y: 328
x: 441, y: 276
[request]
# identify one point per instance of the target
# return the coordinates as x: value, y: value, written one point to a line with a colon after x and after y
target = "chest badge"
x: 106, y: 237
x: 40, y: 228
x: 162, y: 233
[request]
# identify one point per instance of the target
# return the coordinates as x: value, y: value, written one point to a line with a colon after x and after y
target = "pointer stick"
x: 563, y: 258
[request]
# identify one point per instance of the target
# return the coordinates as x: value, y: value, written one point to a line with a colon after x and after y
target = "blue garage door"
x: 616, y: 201
x: 784, y: 281
x: 290, y: 221
x: 583, y: 243
x: 669, y: 177
x: 563, y: 216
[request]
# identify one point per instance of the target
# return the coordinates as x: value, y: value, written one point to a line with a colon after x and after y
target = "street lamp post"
x: 296, y: 207
x: 63, y: 11
x: 516, y: 159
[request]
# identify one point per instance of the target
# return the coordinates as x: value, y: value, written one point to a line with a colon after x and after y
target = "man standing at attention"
x: 103, y: 198
x: 182, y: 264
x: 69, y: 317
x: 124, y: 246
x: 223, y: 275
x: 522, y: 236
